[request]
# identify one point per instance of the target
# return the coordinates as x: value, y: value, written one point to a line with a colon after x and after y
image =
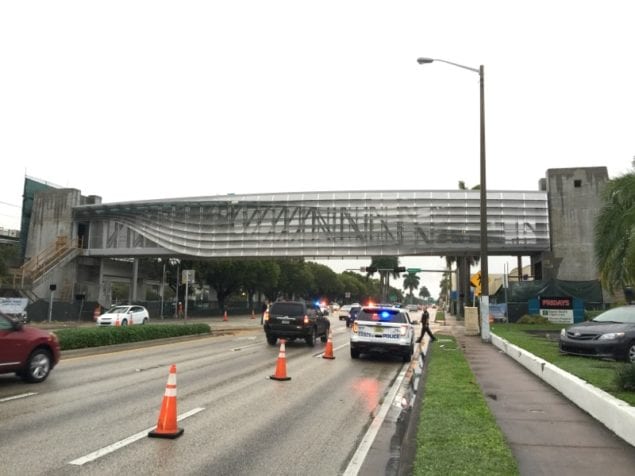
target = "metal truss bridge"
x: 318, y: 225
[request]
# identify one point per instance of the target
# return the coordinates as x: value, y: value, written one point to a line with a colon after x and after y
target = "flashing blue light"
x: 317, y: 303
x: 385, y: 314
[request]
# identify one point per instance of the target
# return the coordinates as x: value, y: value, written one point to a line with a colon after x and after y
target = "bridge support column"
x: 135, y: 278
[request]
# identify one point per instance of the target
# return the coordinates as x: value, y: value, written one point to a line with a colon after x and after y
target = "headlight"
x: 611, y: 336
x: 563, y: 332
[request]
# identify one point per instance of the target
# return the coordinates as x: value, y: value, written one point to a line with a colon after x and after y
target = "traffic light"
x: 400, y: 269
x: 371, y: 269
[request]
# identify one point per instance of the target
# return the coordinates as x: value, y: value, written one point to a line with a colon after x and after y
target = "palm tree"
x: 385, y: 262
x: 615, y: 233
x: 424, y: 293
x: 410, y: 282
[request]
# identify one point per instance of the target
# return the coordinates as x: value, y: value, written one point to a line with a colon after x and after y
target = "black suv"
x: 295, y: 320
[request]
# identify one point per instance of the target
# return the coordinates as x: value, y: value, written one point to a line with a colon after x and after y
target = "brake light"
x: 355, y: 327
x: 403, y: 330
x: 266, y: 317
x: 306, y: 319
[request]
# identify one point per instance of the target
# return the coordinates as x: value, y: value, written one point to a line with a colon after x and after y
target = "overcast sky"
x: 135, y: 100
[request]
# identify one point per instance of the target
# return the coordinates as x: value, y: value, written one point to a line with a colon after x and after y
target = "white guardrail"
x: 615, y: 414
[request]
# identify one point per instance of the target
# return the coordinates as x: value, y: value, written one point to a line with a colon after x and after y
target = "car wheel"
x: 630, y: 352
x: 38, y: 366
x: 124, y: 322
x: 325, y: 337
x: 145, y: 320
x: 407, y: 357
x: 271, y: 340
x: 310, y: 340
x: 354, y: 353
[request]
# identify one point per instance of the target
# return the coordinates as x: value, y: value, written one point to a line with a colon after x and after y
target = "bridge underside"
x: 318, y: 225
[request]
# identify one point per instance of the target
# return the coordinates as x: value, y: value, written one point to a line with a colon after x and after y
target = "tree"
x: 424, y: 293
x: 411, y: 282
x: 224, y: 275
x: 296, y: 279
x: 385, y: 262
x: 260, y: 275
x: 615, y: 233
x: 8, y: 256
x: 325, y: 281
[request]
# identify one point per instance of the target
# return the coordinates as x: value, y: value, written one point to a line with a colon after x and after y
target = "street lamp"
x: 485, y: 334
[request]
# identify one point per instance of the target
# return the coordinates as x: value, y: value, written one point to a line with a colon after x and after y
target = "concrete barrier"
x: 615, y: 414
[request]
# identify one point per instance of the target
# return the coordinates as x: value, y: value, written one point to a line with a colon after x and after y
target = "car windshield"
x: 117, y: 310
x: 623, y: 315
x: 381, y: 315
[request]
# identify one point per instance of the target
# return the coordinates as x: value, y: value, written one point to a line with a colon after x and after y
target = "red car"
x: 29, y: 352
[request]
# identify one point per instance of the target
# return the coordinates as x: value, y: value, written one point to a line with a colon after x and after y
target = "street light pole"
x: 485, y: 331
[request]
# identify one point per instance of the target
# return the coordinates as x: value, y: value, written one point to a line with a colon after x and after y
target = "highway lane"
x: 245, y: 422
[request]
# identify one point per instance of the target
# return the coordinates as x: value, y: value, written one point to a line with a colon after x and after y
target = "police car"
x: 387, y: 330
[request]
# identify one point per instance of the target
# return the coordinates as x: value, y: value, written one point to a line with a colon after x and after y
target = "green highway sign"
x: 413, y: 270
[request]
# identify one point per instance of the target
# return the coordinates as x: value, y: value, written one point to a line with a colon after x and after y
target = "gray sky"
x: 135, y: 100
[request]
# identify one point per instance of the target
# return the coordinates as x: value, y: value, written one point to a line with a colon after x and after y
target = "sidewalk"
x: 547, y: 433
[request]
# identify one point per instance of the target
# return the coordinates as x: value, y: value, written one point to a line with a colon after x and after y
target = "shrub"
x: 79, y: 338
x: 532, y: 319
x: 439, y: 316
x: 625, y: 377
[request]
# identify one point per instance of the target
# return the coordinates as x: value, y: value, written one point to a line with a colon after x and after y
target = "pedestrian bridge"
x: 317, y: 225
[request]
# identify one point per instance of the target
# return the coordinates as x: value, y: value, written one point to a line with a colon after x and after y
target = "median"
x: 86, y: 337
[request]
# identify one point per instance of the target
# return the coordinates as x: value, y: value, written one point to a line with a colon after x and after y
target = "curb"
x: 617, y: 415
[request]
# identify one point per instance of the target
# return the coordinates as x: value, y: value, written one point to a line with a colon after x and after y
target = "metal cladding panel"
x: 322, y: 224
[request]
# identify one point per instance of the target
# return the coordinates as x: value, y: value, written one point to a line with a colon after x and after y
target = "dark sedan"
x: 609, y: 335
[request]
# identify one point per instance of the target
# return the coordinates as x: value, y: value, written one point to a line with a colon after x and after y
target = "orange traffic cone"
x: 166, y: 426
x: 328, y: 353
x: 117, y: 322
x: 225, y: 316
x: 281, y: 365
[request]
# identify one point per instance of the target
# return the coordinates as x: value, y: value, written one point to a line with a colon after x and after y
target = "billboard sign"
x: 559, y: 310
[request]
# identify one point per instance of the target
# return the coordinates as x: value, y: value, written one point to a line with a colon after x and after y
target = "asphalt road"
x: 240, y: 421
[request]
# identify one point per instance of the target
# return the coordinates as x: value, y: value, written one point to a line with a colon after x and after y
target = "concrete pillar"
x: 471, y: 321
x: 135, y: 277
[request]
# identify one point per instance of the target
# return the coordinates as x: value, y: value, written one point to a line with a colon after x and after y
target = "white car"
x: 344, y: 312
x: 124, y: 316
x: 384, y: 330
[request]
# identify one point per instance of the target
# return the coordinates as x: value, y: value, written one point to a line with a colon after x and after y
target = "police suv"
x: 383, y: 329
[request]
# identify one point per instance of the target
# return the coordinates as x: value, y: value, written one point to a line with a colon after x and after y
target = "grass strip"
x: 542, y: 341
x: 457, y: 432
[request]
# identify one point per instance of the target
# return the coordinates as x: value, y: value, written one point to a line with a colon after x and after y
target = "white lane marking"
x: 320, y: 354
x: 125, y: 442
x: 364, y: 447
x: 15, y: 397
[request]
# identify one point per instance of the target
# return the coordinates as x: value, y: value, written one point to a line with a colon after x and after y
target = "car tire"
x: 325, y: 337
x: 311, y: 338
x: 38, y: 366
x: 630, y: 352
x: 354, y: 353
x: 145, y: 320
x: 271, y: 340
x: 124, y: 322
x: 407, y: 357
